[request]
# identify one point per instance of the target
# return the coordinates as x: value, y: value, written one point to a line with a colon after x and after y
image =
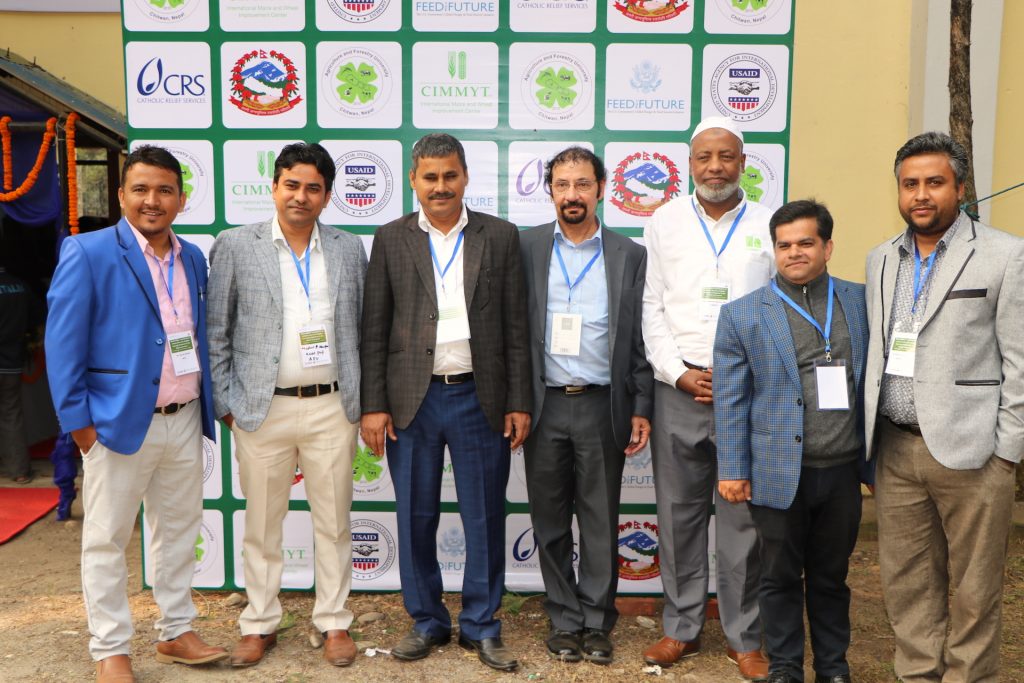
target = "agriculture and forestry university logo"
x: 556, y: 87
x: 357, y: 82
x: 363, y: 185
x: 644, y: 181
x: 205, y: 548
x: 648, y: 11
x: 752, y: 14
x: 167, y: 12
x: 638, y: 551
x: 368, y: 471
x: 744, y: 87
x: 373, y: 549
x: 264, y: 83
x: 358, y: 11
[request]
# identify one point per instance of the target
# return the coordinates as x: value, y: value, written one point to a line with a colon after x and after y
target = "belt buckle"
x: 315, y: 391
x: 573, y: 390
x: 447, y: 381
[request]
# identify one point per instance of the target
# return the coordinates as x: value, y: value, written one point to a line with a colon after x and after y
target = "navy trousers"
x: 451, y: 415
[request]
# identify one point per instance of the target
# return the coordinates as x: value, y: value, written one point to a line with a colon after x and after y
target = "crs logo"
x: 530, y: 178
x: 152, y: 80
x: 526, y: 546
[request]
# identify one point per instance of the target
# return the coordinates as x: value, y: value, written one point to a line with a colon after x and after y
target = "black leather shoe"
x: 417, y: 645
x: 597, y: 646
x: 781, y: 677
x: 565, y: 645
x: 491, y: 652
x: 841, y: 678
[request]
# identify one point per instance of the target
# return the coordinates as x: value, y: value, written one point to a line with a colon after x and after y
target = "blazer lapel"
x: 193, y: 283
x: 774, y: 316
x: 332, y: 261
x: 958, y: 253
x: 137, y: 262
x: 856, y: 333
x: 541, y: 258
x: 418, y: 243
x: 615, y: 268
x: 888, y: 272
x: 472, y: 255
x: 266, y: 257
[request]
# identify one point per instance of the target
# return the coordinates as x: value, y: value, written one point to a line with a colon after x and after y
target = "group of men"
x: 766, y: 388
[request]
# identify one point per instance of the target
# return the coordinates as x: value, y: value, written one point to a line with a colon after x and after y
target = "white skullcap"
x: 723, y: 122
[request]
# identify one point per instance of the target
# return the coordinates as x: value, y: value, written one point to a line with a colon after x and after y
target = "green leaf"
x: 365, y: 465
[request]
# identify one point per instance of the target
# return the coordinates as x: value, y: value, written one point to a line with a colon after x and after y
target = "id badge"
x: 713, y: 295
x: 902, y: 350
x: 830, y: 381
x: 183, y: 353
x: 566, y: 332
x: 452, y: 319
x: 314, y: 349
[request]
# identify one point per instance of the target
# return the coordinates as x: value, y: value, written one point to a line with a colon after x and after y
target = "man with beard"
x: 704, y: 251
x: 944, y: 408
x: 445, y: 362
x: 592, y: 399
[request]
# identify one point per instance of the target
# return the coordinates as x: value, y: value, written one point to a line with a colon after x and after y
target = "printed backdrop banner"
x: 225, y: 84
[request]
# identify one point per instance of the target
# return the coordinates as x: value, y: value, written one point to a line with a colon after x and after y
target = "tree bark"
x: 961, y: 120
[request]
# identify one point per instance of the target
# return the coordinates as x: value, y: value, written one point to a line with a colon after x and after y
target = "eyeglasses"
x: 582, y: 186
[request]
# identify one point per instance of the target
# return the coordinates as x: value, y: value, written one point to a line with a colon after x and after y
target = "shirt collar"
x: 593, y: 239
x: 907, y: 246
x: 728, y: 215
x: 145, y: 246
x: 426, y: 226
x: 277, y: 235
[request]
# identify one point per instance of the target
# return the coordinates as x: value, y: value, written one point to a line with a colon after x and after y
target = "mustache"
x: 571, y: 204
x: 441, y: 195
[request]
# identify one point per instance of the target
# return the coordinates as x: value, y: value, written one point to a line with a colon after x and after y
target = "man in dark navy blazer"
x: 130, y: 379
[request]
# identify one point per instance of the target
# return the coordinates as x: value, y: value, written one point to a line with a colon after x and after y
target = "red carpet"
x: 20, y: 506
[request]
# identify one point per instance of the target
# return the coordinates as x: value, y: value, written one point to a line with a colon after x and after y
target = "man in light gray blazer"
x: 592, y: 396
x: 284, y: 314
x: 944, y: 408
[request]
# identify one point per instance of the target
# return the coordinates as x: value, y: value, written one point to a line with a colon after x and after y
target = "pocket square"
x: 968, y: 294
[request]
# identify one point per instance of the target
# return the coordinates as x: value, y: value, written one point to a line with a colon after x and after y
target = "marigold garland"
x: 5, y: 133
x: 33, y: 175
x: 69, y: 136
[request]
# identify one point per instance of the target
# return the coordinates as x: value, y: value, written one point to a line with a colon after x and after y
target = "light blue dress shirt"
x: 590, y: 300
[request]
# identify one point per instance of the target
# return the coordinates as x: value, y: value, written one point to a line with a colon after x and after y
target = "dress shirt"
x: 590, y: 300
x: 679, y: 260
x: 299, y: 312
x: 451, y: 358
x: 173, y: 389
x: 897, y: 393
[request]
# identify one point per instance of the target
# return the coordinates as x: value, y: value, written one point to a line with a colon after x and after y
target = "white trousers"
x: 166, y: 475
x: 313, y: 434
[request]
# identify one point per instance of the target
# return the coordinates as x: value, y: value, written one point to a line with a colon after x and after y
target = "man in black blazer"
x: 445, y: 362
x: 592, y: 397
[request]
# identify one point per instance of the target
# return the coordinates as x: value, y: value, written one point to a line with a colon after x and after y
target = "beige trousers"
x: 166, y: 475
x: 313, y: 434
x: 939, y: 530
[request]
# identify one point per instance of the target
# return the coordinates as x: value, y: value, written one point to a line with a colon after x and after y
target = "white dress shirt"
x: 451, y: 358
x: 299, y: 312
x: 680, y: 260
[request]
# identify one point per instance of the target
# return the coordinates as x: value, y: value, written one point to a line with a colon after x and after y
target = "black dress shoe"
x: 597, y: 646
x: 417, y: 645
x: 491, y: 652
x: 841, y: 678
x: 781, y: 677
x: 565, y: 645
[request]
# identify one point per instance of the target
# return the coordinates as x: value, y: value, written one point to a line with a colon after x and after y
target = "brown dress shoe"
x: 250, y: 649
x: 188, y: 648
x: 339, y: 648
x: 668, y: 651
x: 753, y: 665
x: 115, y: 669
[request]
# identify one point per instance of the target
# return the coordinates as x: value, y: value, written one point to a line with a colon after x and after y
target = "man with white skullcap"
x: 704, y: 250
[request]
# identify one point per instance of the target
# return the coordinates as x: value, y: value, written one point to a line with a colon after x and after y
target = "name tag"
x: 183, y: 353
x: 833, y: 389
x: 314, y: 349
x: 902, y: 349
x: 452, y: 318
x: 566, y: 332
x: 713, y: 295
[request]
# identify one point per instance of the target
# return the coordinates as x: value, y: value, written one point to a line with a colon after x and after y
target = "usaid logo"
x: 209, y: 459
x: 358, y: 11
x: 364, y: 184
x: 373, y: 549
x: 152, y: 80
x: 744, y: 87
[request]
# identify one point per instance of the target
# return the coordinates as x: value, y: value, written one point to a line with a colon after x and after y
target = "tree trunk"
x: 961, y: 121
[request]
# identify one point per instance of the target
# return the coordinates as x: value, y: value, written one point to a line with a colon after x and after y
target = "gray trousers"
x: 572, y: 464
x: 685, y: 484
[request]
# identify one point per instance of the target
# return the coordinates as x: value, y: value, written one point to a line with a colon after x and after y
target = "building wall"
x: 1008, y: 156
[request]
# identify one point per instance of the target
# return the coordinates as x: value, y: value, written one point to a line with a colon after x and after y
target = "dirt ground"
x: 43, y: 633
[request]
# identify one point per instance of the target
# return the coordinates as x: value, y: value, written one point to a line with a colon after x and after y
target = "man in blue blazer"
x: 130, y: 379
x: 789, y: 412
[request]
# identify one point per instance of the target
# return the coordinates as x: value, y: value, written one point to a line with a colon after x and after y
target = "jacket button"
x: 156, y: 380
x: 798, y: 439
x: 430, y: 352
x: 432, y: 316
x: 799, y: 401
x: 159, y: 341
x: 278, y: 325
x: 275, y: 359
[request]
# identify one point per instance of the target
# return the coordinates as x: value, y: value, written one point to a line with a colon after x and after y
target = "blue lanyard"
x: 707, y: 233
x: 827, y: 332
x: 921, y: 278
x: 583, y: 273
x: 169, y: 280
x: 437, y: 264
x: 298, y: 268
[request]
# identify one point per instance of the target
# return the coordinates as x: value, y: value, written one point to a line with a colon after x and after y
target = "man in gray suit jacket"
x: 944, y: 407
x: 445, y: 362
x: 284, y: 314
x: 592, y: 397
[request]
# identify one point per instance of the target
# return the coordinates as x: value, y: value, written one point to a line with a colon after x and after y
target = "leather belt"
x: 691, y: 366
x: 909, y: 429
x: 577, y: 389
x: 307, y: 391
x: 170, y: 408
x: 453, y: 379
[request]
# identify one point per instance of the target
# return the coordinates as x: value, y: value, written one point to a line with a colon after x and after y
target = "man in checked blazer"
x: 945, y: 416
x: 789, y: 369
x: 445, y: 362
x: 285, y: 298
